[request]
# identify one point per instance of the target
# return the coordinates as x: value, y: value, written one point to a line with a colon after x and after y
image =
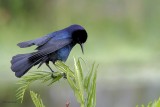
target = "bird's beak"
x: 82, y: 48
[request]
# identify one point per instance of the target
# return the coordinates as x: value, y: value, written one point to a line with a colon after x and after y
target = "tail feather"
x: 19, y: 57
x: 21, y: 64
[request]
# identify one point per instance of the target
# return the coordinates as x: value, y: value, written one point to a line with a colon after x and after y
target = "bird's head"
x: 79, y: 35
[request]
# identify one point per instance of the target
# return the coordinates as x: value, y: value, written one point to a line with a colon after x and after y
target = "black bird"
x: 52, y: 47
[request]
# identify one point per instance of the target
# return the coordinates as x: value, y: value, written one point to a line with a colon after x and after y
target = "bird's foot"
x: 53, y: 76
x: 65, y: 75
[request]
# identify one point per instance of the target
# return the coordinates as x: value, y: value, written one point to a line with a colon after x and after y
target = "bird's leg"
x: 65, y: 75
x: 49, y: 66
x: 53, y: 76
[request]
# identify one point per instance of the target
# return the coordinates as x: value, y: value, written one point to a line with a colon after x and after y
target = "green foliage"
x: 36, y: 99
x: 84, y: 86
x: 154, y: 104
x: 39, y: 75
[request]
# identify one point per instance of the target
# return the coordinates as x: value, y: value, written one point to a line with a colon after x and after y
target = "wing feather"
x: 39, y: 42
x: 50, y: 49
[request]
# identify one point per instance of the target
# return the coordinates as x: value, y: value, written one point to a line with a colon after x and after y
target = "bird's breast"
x: 63, y: 53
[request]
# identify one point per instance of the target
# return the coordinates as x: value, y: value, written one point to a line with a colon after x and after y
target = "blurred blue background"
x: 123, y: 37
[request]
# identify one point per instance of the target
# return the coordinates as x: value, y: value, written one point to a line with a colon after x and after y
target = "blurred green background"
x: 123, y: 37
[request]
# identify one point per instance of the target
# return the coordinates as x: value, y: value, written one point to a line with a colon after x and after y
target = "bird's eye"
x: 79, y: 36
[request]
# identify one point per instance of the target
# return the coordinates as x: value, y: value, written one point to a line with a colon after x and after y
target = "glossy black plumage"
x: 52, y: 47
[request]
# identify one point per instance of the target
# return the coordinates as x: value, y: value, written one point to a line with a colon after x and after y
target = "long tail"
x: 21, y: 64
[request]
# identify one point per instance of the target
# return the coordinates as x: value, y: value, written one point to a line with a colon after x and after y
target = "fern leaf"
x: 38, y: 75
x: 21, y: 91
x: 78, y: 80
x: 64, y: 68
x: 36, y: 99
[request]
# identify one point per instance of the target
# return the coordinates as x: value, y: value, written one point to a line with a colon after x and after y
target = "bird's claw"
x: 53, y: 76
x: 65, y: 75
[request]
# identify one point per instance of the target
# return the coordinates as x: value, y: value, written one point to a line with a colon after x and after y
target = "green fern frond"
x: 88, y: 78
x: 83, y: 86
x: 21, y: 91
x: 64, y: 68
x: 154, y: 104
x: 38, y: 75
x: 79, y: 79
x: 91, y: 87
x: 36, y: 99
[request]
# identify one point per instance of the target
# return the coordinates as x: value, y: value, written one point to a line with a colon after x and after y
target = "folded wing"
x: 50, y: 49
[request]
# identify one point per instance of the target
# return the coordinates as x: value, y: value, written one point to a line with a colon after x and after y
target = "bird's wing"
x: 39, y: 42
x: 50, y: 49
